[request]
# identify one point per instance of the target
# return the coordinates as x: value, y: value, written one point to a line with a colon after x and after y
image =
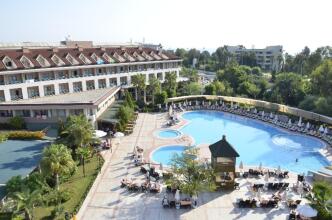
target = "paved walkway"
x: 107, y: 200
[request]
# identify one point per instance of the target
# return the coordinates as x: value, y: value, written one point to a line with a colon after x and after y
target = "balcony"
x: 16, y: 94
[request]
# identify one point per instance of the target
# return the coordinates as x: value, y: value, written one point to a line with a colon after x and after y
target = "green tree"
x: 161, y: 97
x: 25, y: 201
x: 289, y: 87
x: 321, y: 79
x: 321, y: 199
x: 222, y: 56
x: 84, y: 153
x: 154, y: 87
x: 192, y: 88
x: 210, y: 89
x: 249, y: 88
x: 170, y: 84
x: 139, y: 82
x: 77, y: 132
x: 190, y: 175
x: 129, y: 100
x: 57, y: 161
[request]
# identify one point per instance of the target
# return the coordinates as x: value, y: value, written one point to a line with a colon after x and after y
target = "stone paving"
x: 107, y: 200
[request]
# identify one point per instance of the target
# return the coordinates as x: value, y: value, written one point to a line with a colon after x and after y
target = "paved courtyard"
x: 107, y: 200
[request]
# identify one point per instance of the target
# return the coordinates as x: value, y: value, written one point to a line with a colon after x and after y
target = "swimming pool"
x: 169, y: 133
x: 256, y: 142
x: 164, y: 154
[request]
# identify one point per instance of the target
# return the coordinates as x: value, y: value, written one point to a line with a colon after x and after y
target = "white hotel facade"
x: 45, y: 83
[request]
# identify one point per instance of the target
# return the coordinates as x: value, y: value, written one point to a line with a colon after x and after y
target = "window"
x: 146, y: 56
x: 108, y: 58
x: 84, y: 59
x: 26, y: 62
x: 118, y: 57
x: 128, y: 57
x: 42, y: 61
x: 138, y: 57
x: 57, y: 60
x: 8, y: 62
x: 94, y: 57
x: 71, y: 59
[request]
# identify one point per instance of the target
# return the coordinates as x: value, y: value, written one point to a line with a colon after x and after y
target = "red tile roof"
x: 47, y: 53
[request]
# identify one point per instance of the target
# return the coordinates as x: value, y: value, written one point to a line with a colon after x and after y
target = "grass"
x: 78, y: 186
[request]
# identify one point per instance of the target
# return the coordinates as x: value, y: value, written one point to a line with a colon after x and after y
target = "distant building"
x: 47, y: 82
x: 268, y: 58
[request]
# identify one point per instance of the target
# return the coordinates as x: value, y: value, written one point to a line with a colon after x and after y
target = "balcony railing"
x: 16, y: 97
x: 49, y: 93
x: 64, y: 91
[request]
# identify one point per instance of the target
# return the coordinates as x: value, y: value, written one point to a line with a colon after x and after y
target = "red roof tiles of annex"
x: 16, y: 54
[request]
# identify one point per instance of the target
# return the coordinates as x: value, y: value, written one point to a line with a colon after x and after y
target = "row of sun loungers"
x: 253, y: 203
x: 276, y: 119
x: 147, y: 186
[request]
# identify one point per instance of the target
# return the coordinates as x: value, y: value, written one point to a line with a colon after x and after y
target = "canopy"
x: 223, y: 149
x: 308, y: 125
x: 100, y: 133
x: 241, y: 165
x: 300, y: 122
x: 306, y: 211
x: 290, y: 122
x: 118, y: 134
x: 177, y: 195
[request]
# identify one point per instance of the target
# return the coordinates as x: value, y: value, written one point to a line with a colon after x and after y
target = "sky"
x: 173, y: 23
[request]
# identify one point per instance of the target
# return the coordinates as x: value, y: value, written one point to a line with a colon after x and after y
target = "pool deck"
x: 107, y: 200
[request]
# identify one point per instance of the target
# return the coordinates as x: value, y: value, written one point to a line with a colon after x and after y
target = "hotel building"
x: 46, y: 83
x: 267, y: 58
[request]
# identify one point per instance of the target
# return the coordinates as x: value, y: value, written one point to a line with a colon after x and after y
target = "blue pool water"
x: 164, y: 154
x: 169, y: 134
x: 256, y: 142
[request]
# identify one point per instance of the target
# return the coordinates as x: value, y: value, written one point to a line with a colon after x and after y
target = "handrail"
x: 259, y: 103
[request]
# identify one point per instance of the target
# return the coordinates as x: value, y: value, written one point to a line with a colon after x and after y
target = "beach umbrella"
x: 300, y: 122
x: 276, y: 117
x: 170, y: 110
x: 255, y: 111
x: 263, y: 113
x: 209, y: 103
x: 326, y: 130
x: 241, y: 165
x: 177, y: 195
x: 202, y: 102
x: 306, y: 211
x: 279, y: 169
x: 231, y: 104
x: 321, y: 128
x: 308, y: 125
x: 223, y: 104
x: 271, y: 115
x: 266, y: 177
x: 284, y: 195
x: 220, y: 101
x: 119, y: 134
x: 290, y: 122
x: 260, y: 166
x: 258, y: 194
x: 100, y: 133
x: 197, y: 102
x: 248, y: 109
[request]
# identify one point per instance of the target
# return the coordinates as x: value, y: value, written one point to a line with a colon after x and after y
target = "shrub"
x: 3, y: 137
x: 26, y: 135
x: 17, y: 122
x: 14, y: 184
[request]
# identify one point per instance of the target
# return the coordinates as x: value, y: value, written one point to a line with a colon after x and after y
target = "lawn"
x: 78, y: 186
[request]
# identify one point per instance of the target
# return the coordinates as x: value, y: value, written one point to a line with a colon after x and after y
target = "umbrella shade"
x: 170, y: 110
x: 308, y: 125
x: 300, y: 122
x: 241, y: 165
x: 276, y: 117
x: 260, y: 166
x: 321, y: 128
x: 290, y: 122
x: 306, y: 211
x: 263, y: 113
x: 279, y: 169
x: 326, y: 130
x: 271, y: 115
x: 266, y: 177
x: 177, y: 195
x: 119, y: 134
x: 100, y: 133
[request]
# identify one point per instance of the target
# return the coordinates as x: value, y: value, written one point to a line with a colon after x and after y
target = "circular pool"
x: 164, y: 155
x: 169, y: 133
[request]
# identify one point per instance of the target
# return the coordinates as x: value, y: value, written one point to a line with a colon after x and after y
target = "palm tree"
x: 154, y: 86
x: 25, y: 201
x: 321, y: 197
x: 84, y: 153
x: 77, y: 132
x: 56, y: 161
x: 139, y: 82
x: 170, y: 84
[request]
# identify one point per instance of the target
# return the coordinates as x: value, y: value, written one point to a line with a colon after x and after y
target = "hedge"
x: 25, y: 135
